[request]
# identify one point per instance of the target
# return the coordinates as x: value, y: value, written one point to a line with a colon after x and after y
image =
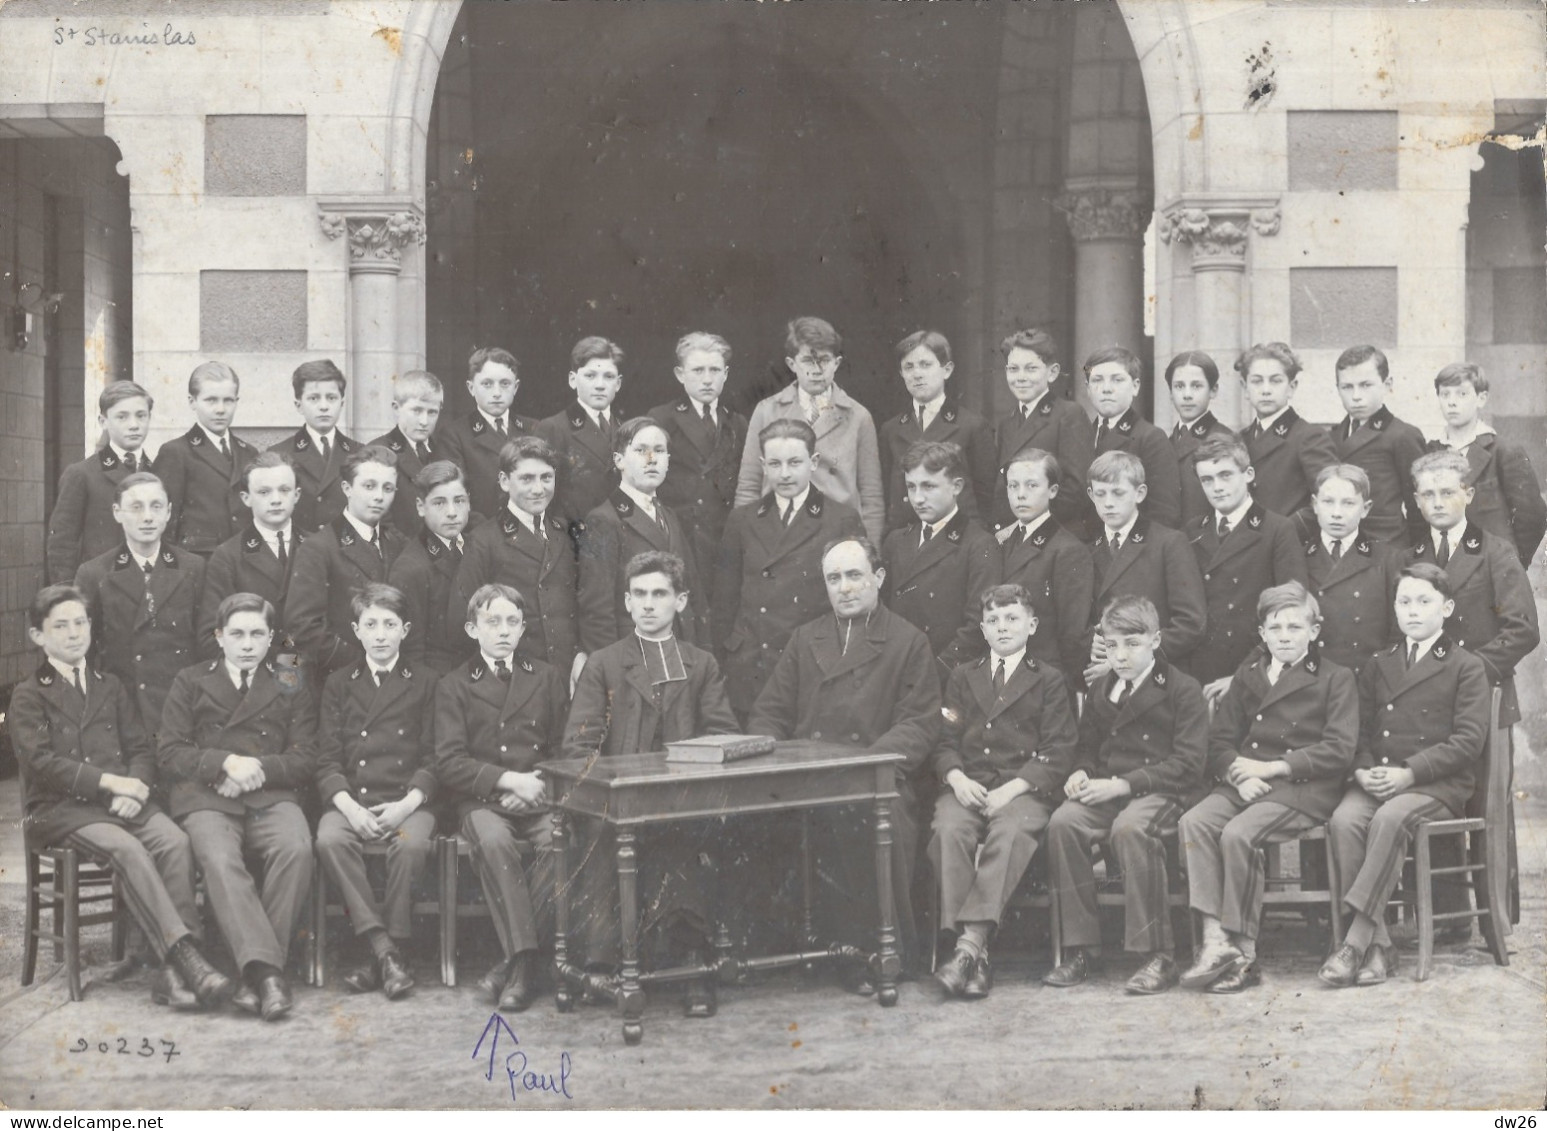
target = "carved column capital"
x: 1096, y: 213
x: 1218, y: 232
x: 376, y: 238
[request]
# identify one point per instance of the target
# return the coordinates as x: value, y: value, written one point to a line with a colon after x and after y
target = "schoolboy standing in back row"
x: 318, y: 449
x: 1114, y: 377
x: 1372, y: 438
x: 1193, y: 379
x: 202, y: 468
x: 581, y: 436
x: 417, y: 397
x: 1287, y: 452
x: 1040, y: 418
x: 474, y: 441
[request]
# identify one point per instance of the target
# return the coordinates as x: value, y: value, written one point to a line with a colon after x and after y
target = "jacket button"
x: 815, y: 733
x: 854, y: 738
x: 362, y: 761
x: 1259, y: 718
x: 1385, y: 734
x: 503, y: 749
x: 363, y: 734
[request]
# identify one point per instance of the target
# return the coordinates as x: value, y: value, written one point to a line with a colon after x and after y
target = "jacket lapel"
x: 1290, y: 680
x: 636, y: 675
x: 1480, y: 455
x: 358, y: 552
x: 1016, y: 684
x: 1403, y: 679
x: 165, y: 580
x: 1126, y: 556
x: 519, y: 692
x: 1365, y: 434
x: 263, y: 689
x: 695, y: 428
x: 1239, y: 540
x: 939, y: 546
x: 486, y: 685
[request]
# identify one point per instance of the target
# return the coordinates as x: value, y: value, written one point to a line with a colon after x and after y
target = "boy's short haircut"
x: 437, y: 474
x: 1223, y: 447
x: 788, y: 430
x: 817, y: 333
x: 999, y: 596
x: 1433, y: 574
x: 491, y: 355
x: 1355, y: 476
x: 1110, y: 467
x: 244, y: 603
x: 376, y: 595
x: 265, y: 461
x: 211, y: 371
x: 486, y: 595
x: 117, y: 391
x: 1358, y: 355
x: 1047, y: 459
x: 657, y: 561
x: 527, y: 447
x: 371, y: 453
x: 708, y: 343
x: 932, y: 340
x: 1461, y: 373
x: 1445, y: 460
x: 936, y: 457
x: 1194, y: 357
x: 633, y: 427
x: 136, y: 479
x: 317, y: 372
x: 1124, y: 357
x: 49, y: 598
x: 1269, y: 351
x: 1037, y: 340
x: 593, y: 348
x: 1129, y: 615
x: 1290, y: 595
x: 417, y: 385
x: 872, y: 554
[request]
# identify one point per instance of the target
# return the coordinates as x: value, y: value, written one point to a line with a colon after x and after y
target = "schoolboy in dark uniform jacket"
x: 1352, y: 576
x: 473, y: 441
x: 1042, y: 418
x: 417, y: 397
x: 318, y: 449
x: 952, y: 424
x: 1185, y: 441
x: 1287, y: 452
x: 425, y: 572
x: 1372, y: 438
x: 202, y: 468
x: 1193, y: 380
x: 1113, y: 377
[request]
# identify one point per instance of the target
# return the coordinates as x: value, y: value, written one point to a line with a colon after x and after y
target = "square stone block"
x: 261, y: 311
x: 1335, y: 307
x: 255, y: 154
x: 1332, y: 150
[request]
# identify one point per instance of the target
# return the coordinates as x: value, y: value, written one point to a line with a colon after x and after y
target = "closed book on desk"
x: 719, y: 748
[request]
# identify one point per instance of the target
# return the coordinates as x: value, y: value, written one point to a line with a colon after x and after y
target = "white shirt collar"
x: 1026, y: 408
x: 529, y: 521
x: 931, y: 408
x: 377, y: 669
x: 234, y: 674
x: 496, y: 421
x: 1235, y: 516
x: 365, y: 532
x: 1346, y: 542
x: 1125, y: 530
x: 490, y: 662
x: 456, y: 545
x: 1454, y: 533
x: 1423, y: 645
x: 272, y: 536
x: 646, y: 503
x: 1465, y: 439
x: 316, y: 437
x: 1030, y: 528
x: 69, y: 672
x: 1269, y: 422
x: 596, y: 417
x: 123, y: 454
x: 699, y: 406
x: 1135, y: 683
x: 1277, y: 669
x: 1012, y: 663
x: 143, y: 562
x: 224, y: 437
x: 797, y: 502
x: 808, y: 402
x: 937, y: 527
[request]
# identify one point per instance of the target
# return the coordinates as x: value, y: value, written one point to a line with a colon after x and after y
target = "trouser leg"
x: 1072, y: 833
x: 280, y: 837
x: 1138, y: 844
x: 149, y: 902
x: 217, y: 840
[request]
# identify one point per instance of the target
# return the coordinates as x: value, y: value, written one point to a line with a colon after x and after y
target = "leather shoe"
x: 1340, y: 970
x: 1209, y: 964
x: 168, y: 988
x: 1155, y: 977
x: 492, y: 984
x: 520, y: 987
x: 1071, y: 972
x: 1242, y: 974
x: 246, y: 998
x: 362, y: 979
x: 981, y: 981
x: 395, y: 978
x: 209, y: 985
x: 1377, y: 966
x: 955, y: 971
x: 274, y: 996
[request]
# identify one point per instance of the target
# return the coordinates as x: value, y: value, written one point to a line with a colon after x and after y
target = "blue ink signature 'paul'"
x: 521, y: 1077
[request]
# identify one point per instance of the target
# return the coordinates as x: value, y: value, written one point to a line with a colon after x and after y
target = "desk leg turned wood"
x: 631, y: 999
x: 888, y: 963
x: 559, y: 859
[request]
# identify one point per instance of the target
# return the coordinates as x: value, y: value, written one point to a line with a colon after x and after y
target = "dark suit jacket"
x: 768, y: 582
x: 612, y: 534
x: 1185, y: 442
x: 1262, y: 551
x: 1356, y: 595
x: 82, y: 525
x: 1157, y: 741
x: 1157, y: 563
x: 881, y: 693
x: 617, y: 711
x: 1025, y: 731
x: 322, y: 495
x: 426, y: 573
x: 470, y: 443
x: 1508, y: 500
x: 404, y: 514
x: 1433, y: 719
x: 542, y: 570
x: 1495, y: 615
x: 953, y: 424
x: 700, y: 484
x: 585, y: 475
x: 207, y: 718
x: 1060, y: 428
x: 331, y: 566
x: 145, y: 651
x: 64, y: 745
x: 936, y: 586
x: 245, y: 564
x: 1057, y: 569
x: 1309, y: 718
x: 484, y: 727
x: 376, y: 743
x: 204, y: 488
x: 1386, y: 448
x: 1287, y: 459
x: 1133, y: 434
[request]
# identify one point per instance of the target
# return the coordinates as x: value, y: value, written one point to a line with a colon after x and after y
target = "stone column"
x: 1218, y: 233
x: 376, y: 239
x: 1108, y: 228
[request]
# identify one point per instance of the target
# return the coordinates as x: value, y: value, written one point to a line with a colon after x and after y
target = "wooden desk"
x: 639, y: 789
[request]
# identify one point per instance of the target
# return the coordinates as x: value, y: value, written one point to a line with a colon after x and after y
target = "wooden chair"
x: 1490, y: 857
x: 450, y: 853
x: 1283, y: 890
x: 73, y: 880
x: 321, y: 908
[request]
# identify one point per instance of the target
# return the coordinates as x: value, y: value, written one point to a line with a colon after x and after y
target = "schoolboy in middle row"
x: 1352, y: 575
x: 425, y: 572
x: 258, y: 558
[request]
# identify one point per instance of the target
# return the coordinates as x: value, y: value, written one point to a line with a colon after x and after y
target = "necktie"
x: 246, y: 681
x: 1337, y: 551
x: 999, y: 679
x: 707, y: 414
x: 378, y: 676
x: 283, y: 554
x: 1254, y: 431
x: 150, y: 598
x: 80, y: 684
x: 326, y: 447
x: 1116, y: 542
x: 926, y: 533
x: 1025, y: 534
x: 456, y: 545
x: 422, y: 450
x: 1224, y: 527
x: 1101, y: 430
x: 225, y: 449
x: 918, y: 412
x: 1025, y: 412
x: 131, y: 463
x: 502, y: 669
x: 1176, y: 434
x: 787, y: 515
x: 499, y: 425
x: 1443, y: 555
x: 376, y: 542
x: 1412, y: 653
x: 1125, y: 690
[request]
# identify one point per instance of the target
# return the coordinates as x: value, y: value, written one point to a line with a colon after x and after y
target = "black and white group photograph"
x: 771, y: 555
